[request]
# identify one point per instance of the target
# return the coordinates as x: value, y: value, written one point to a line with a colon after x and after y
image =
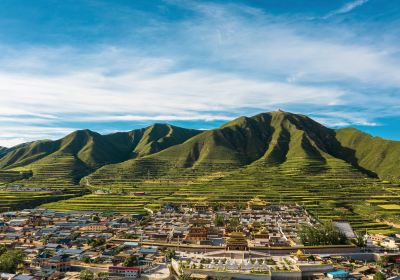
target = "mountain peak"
x: 82, y: 132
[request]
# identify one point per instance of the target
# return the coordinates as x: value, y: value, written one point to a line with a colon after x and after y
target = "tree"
x: 95, y: 218
x: 379, y: 276
x: 383, y: 260
x: 184, y: 276
x: 3, y: 249
x: 10, y: 260
x: 45, y: 239
x: 86, y: 275
x: 219, y: 221
x: 85, y: 259
x: 132, y: 260
x: 170, y: 254
x: 233, y: 224
x: 360, y: 241
x: 96, y: 242
x: 322, y: 235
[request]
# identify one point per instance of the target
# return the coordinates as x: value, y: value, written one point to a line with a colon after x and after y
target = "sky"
x: 119, y: 65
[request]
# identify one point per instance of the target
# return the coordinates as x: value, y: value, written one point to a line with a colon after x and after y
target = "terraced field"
x: 12, y: 200
x: 55, y: 175
x: 11, y: 176
x: 332, y: 190
x: 106, y: 203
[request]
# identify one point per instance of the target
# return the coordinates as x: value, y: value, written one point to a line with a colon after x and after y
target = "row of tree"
x: 313, y: 235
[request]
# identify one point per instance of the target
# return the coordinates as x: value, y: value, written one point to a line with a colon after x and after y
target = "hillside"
x: 66, y: 160
x: 373, y: 153
x: 265, y: 139
x: 3, y: 150
x: 163, y: 150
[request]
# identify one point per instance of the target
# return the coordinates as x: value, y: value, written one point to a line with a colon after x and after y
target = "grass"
x: 390, y: 206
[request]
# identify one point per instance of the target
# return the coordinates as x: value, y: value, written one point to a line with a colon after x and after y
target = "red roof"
x: 123, y: 268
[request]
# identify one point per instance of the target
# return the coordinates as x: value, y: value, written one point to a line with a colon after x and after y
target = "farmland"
x: 339, y: 192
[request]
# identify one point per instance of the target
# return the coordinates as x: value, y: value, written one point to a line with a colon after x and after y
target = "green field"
x: 339, y: 192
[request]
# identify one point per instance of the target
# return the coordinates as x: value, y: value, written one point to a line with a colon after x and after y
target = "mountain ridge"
x: 274, y: 138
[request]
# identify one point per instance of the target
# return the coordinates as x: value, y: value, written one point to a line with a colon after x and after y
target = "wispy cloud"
x: 225, y: 61
x: 346, y: 8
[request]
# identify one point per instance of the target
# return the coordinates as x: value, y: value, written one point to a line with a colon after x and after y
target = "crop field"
x: 11, y: 200
x: 122, y: 204
x: 390, y: 206
x: 53, y: 176
x: 338, y: 192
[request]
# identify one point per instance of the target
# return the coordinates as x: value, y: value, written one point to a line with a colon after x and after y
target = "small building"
x: 124, y: 272
x: 139, y: 193
x: 201, y: 207
x: 58, y: 263
x: 93, y: 227
x: 341, y: 274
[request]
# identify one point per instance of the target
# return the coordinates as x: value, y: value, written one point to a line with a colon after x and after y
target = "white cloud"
x: 11, y: 135
x: 181, y: 94
x: 211, y: 67
x: 348, y: 7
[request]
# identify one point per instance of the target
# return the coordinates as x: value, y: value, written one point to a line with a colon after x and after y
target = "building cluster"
x: 260, y: 224
x: 259, y: 242
x: 58, y: 244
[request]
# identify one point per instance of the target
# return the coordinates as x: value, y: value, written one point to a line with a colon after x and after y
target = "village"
x: 262, y: 241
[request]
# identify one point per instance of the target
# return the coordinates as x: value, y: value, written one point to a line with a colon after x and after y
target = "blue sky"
x: 120, y: 65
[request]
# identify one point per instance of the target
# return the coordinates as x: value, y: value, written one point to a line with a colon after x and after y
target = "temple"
x: 236, y: 241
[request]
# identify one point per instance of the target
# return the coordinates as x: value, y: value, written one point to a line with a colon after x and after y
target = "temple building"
x: 236, y: 241
x: 262, y: 234
x: 256, y: 204
x: 201, y: 207
x: 198, y: 231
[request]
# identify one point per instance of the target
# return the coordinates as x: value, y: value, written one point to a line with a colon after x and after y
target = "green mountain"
x: 65, y: 161
x: 3, y: 150
x: 268, y: 139
x: 162, y: 150
x: 372, y: 153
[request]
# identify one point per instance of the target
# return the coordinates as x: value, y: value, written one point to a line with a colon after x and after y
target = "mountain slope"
x: 265, y: 139
x: 3, y: 150
x: 293, y: 141
x: 83, y: 151
x: 149, y: 140
x: 373, y: 153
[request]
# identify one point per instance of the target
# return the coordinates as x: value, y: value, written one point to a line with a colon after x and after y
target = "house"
x: 341, y: 274
x: 389, y: 243
x: 18, y: 222
x: 58, y: 263
x: 148, y: 250
x: 124, y: 272
x: 94, y: 227
x: 129, y: 244
x: 22, y: 277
